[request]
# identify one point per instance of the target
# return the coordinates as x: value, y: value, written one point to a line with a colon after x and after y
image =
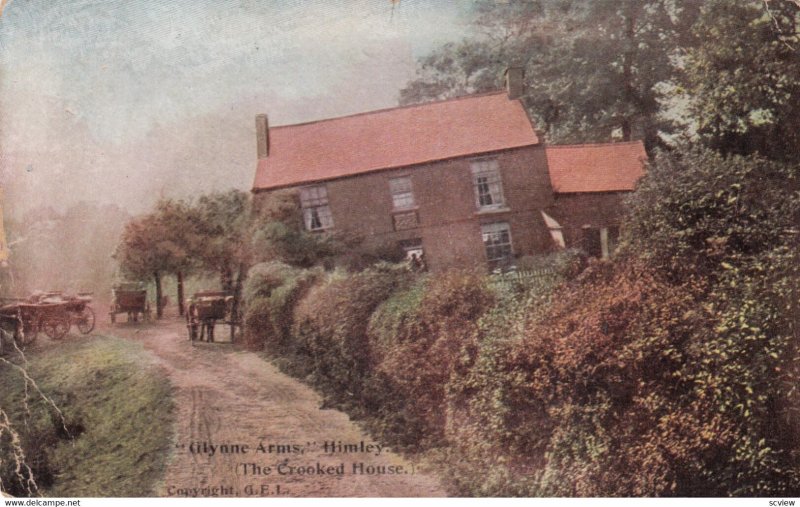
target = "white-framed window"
x: 487, y: 183
x: 415, y: 253
x: 316, y: 211
x: 497, y: 241
x: 402, y: 192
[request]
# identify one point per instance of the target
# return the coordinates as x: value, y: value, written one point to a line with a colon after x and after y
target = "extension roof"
x: 392, y: 138
x: 595, y: 167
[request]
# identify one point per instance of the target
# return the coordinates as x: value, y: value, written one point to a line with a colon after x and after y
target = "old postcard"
x: 399, y: 248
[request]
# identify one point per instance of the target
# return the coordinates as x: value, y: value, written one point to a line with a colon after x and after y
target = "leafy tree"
x: 179, y: 237
x: 147, y: 250
x: 697, y: 212
x: 593, y: 68
x: 176, y: 217
x: 743, y: 81
x: 221, y: 231
x: 280, y: 235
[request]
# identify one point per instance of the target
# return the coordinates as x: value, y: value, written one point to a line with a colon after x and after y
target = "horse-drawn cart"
x: 26, y: 320
x: 205, y: 310
x: 131, y: 299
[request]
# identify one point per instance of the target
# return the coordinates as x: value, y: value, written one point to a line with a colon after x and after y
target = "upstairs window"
x: 497, y: 241
x: 487, y: 183
x: 402, y: 193
x: 316, y: 211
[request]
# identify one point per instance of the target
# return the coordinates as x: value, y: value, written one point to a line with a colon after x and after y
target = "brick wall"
x: 449, y: 223
x: 596, y: 210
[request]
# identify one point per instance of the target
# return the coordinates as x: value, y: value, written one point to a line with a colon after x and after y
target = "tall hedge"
x: 330, y: 327
x: 417, y: 337
x: 671, y: 370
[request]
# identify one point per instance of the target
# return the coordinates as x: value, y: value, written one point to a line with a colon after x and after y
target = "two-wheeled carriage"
x: 205, y: 311
x: 129, y: 298
x: 51, y: 313
x: 26, y: 320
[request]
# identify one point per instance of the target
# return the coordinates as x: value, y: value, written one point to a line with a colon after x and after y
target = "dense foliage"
x: 669, y: 371
x: 741, y: 79
x: 635, y: 69
x: 209, y: 236
x: 592, y: 68
x: 415, y: 340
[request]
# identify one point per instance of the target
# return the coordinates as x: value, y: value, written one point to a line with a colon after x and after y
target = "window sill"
x: 404, y: 210
x: 491, y: 211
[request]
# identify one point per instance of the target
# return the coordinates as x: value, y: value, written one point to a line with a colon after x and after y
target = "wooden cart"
x: 78, y: 309
x: 131, y: 299
x: 26, y: 320
x: 205, y: 310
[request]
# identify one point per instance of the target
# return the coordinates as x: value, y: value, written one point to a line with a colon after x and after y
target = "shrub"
x: 330, y: 327
x: 628, y: 385
x: 360, y: 255
x: 271, y: 292
x: 564, y: 263
x: 265, y: 277
x: 697, y: 211
x: 417, y: 337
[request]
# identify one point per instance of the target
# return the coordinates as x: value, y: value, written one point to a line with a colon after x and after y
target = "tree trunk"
x: 627, y: 129
x: 226, y: 279
x: 180, y: 293
x: 237, y: 296
x: 237, y: 287
x: 627, y: 74
x: 159, y: 308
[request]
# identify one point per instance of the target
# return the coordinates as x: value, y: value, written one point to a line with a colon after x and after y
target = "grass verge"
x: 117, y: 409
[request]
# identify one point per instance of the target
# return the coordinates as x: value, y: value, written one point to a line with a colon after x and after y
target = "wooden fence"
x: 527, y: 278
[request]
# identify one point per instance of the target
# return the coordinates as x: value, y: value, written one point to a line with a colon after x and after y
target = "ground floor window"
x: 497, y: 241
x: 415, y: 254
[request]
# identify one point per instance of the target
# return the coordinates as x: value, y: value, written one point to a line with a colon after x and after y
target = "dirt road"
x: 231, y: 397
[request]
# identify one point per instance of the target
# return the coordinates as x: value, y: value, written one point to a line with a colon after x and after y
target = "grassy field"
x: 116, y: 430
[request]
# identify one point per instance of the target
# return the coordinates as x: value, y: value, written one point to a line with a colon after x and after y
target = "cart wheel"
x: 56, y: 329
x: 85, y: 320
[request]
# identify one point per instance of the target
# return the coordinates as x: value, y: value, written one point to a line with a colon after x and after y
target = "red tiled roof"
x: 595, y: 167
x: 391, y: 138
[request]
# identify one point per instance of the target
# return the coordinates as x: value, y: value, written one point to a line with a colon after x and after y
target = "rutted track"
x: 225, y: 395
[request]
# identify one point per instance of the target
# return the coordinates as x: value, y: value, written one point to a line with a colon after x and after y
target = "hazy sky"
x: 125, y: 100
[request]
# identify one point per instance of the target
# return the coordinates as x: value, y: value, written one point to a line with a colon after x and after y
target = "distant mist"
x: 69, y: 251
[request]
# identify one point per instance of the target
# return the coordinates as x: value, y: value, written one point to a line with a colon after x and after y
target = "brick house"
x: 466, y: 181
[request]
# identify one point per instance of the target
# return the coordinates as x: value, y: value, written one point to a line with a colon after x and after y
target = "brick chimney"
x: 262, y: 135
x: 515, y: 85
